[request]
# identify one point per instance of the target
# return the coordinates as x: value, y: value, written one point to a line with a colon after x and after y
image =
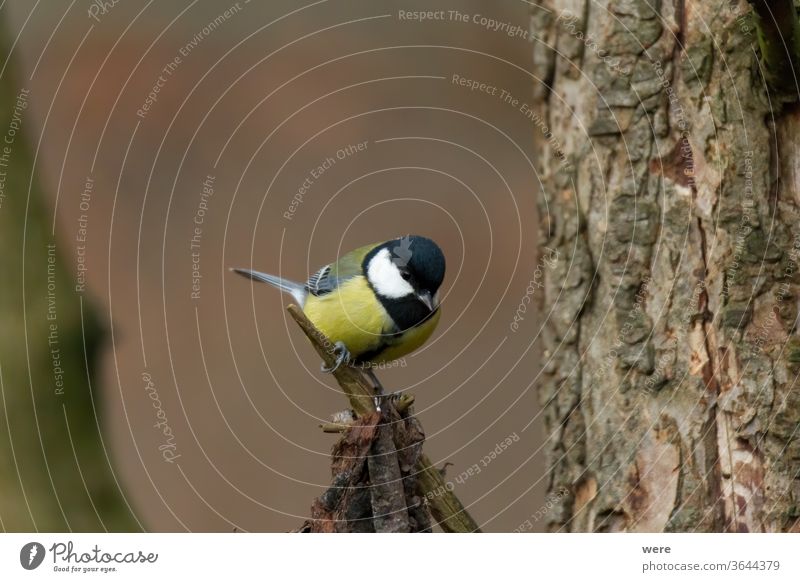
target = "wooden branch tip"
x: 446, y: 508
x: 401, y: 405
x: 335, y: 427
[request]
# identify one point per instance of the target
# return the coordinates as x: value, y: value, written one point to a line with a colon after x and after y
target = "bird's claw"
x: 380, y: 398
x: 342, y: 357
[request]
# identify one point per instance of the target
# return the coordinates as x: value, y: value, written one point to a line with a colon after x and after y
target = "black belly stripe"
x: 368, y: 357
x: 388, y: 340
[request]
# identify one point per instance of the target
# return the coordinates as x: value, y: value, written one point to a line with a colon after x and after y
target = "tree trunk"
x: 55, y: 473
x: 672, y: 194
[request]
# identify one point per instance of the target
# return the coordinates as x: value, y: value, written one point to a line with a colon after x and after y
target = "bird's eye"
x: 405, y: 275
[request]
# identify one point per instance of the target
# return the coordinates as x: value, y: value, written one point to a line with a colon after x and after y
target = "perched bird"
x: 376, y: 303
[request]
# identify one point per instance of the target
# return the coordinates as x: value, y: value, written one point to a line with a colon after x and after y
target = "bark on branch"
x: 378, y: 463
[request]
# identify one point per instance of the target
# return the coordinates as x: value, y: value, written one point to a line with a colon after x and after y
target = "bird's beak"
x: 427, y: 299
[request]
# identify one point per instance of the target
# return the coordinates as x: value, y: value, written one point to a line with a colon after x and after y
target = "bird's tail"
x: 296, y: 290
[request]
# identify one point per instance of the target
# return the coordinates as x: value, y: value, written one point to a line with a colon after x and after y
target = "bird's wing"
x: 329, y: 277
x: 321, y: 282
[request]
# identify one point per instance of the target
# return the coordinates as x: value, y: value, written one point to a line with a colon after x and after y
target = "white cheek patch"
x: 386, y: 278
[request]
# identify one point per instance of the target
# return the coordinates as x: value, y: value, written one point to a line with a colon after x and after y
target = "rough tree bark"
x: 54, y: 469
x: 672, y: 193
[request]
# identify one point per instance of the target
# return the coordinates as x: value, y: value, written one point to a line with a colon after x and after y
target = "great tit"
x: 377, y: 303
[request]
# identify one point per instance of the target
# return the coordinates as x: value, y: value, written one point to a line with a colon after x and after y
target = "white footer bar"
x: 300, y: 557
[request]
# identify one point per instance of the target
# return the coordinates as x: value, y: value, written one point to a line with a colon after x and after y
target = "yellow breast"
x: 353, y: 315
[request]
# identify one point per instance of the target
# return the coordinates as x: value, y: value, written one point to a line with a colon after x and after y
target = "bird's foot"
x: 380, y: 397
x: 376, y: 386
x: 380, y: 394
x: 342, y: 357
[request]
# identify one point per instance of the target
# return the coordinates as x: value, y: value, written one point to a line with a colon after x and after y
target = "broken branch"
x: 446, y: 508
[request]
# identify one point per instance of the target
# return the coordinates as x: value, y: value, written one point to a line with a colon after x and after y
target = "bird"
x: 375, y: 304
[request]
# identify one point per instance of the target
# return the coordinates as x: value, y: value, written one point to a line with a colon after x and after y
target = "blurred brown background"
x: 257, y: 102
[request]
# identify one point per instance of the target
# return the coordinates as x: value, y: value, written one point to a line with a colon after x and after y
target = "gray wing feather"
x: 324, y: 281
x: 296, y: 290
